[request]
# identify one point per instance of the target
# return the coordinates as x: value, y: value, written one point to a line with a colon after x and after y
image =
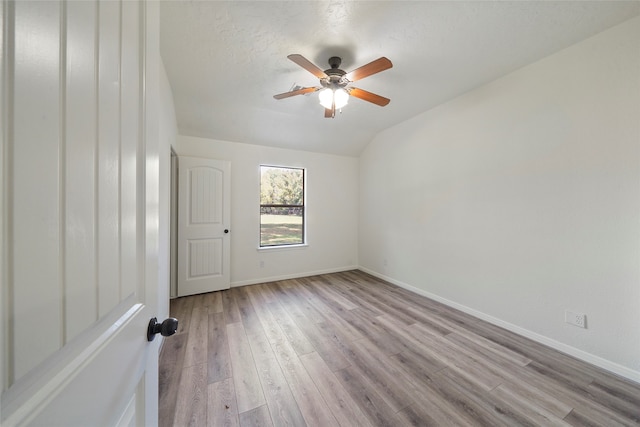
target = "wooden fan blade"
x: 368, y: 96
x: 296, y: 92
x: 373, y: 67
x: 307, y: 65
x: 328, y: 113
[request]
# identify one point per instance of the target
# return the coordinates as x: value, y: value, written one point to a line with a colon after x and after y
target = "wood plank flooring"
x: 347, y: 349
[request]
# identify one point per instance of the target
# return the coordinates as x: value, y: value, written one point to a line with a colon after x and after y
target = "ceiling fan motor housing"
x: 335, y: 76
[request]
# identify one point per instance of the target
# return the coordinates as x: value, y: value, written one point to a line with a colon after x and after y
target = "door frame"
x: 173, y: 225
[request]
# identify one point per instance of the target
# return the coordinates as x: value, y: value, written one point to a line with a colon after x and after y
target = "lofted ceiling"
x: 226, y: 59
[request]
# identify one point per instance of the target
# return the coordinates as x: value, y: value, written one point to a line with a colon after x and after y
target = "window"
x: 281, y: 206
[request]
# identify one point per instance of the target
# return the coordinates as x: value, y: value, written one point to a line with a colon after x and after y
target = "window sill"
x: 281, y: 248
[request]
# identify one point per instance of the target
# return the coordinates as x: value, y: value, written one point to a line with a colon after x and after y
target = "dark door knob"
x: 167, y: 328
x: 226, y: 231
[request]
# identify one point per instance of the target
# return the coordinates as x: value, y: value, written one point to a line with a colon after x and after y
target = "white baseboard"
x: 291, y: 276
x: 598, y: 361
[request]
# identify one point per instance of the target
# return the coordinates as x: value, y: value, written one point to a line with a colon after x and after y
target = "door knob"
x: 226, y: 230
x: 167, y: 328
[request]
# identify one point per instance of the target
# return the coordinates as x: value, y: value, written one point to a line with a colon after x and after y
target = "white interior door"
x: 203, y: 225
x: 79, y: 192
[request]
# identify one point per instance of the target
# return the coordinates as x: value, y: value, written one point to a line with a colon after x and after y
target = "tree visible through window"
x: 281, y: 206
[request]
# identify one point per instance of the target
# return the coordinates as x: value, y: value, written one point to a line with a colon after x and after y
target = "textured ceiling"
x: 226, y: 60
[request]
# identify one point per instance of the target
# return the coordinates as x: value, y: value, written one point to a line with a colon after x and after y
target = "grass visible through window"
x: 280, y: 229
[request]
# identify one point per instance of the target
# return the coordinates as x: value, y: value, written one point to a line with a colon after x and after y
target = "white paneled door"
x: 79, y: 205
x: 203, y: 225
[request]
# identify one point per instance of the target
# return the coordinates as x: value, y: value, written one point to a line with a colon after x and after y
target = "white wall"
x: 521, y: 199
x: 167, y: 133
x: 332, y: 206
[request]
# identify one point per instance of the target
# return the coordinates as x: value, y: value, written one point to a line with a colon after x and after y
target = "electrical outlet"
x: 576, y: 319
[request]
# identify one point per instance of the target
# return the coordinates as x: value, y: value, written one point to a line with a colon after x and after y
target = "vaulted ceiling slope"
x: 226, y: 59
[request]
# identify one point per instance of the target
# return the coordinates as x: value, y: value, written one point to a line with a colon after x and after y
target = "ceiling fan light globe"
x: 341, y: 98
x: 326, y: 98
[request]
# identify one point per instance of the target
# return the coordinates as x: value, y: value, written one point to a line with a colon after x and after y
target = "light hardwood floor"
x: 347, y: 349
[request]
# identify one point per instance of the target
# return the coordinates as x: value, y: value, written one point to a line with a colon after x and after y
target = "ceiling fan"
x: 334, y: 83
